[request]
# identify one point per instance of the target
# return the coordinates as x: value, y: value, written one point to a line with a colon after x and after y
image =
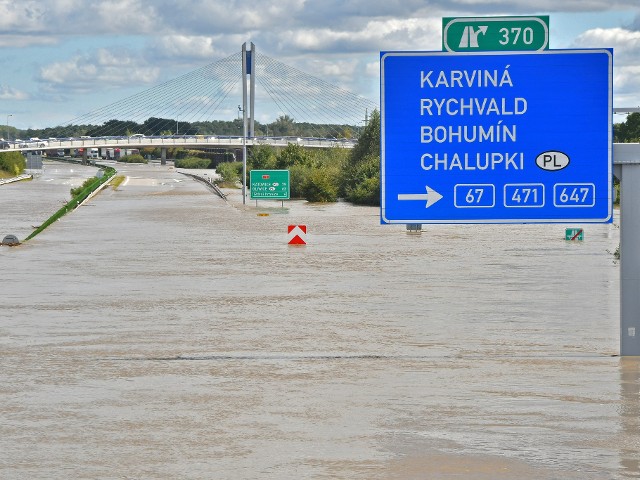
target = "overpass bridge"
x: 173, y: 141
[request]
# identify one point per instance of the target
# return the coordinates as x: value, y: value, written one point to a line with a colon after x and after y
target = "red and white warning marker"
x: 297, y: 234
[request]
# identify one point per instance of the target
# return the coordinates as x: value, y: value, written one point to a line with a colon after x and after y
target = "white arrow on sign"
x: 431, y: 196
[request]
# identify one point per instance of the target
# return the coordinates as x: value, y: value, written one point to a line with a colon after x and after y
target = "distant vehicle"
x: 93, y: 153
x: 36, y: 142
x: 4, y: 144
x: 84, y: 137
x: 137, y: 135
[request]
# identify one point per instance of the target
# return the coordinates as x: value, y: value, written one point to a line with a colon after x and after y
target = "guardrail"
x: 24, y: 176
x: 208, y: 182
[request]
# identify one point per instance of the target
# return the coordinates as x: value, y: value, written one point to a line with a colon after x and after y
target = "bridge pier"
x: 85, y: 156
x: 163, y: 156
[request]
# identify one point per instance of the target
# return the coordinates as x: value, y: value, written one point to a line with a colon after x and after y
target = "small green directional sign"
x: 270, y: 184
x: 574, y: 234
x: 478, y: 34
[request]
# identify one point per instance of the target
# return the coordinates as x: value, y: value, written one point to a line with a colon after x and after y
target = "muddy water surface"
x: 158, y: 332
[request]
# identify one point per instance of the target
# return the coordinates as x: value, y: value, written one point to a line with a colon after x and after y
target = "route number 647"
x: 574, y: 194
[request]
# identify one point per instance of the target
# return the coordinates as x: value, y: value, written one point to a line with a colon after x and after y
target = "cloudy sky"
x: 60, y: 59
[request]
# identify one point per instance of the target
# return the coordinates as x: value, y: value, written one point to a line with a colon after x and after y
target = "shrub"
x: 87, y: 183
x: 321, y: 185
x: 363, y: 183
x: 360, y: 181
x: 230, y: 172
x: 193, y: 162
x: 135, y: 158
x: 297, y: 178
x: 12, y: 162
x: 262, y: 157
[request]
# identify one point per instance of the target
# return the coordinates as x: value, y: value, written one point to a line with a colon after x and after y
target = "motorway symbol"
x: 574, y: 234
x: 431, y: 196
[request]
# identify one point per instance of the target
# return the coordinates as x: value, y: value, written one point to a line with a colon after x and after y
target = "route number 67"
x: 474, y: 195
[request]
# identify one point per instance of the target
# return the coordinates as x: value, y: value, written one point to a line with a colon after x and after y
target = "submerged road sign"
x: 269, y: 184
x: 574, y: 234
x: 492, y: 137
x: 469, y: 34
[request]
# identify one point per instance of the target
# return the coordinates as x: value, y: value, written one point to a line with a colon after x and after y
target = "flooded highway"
x: 160, y: 332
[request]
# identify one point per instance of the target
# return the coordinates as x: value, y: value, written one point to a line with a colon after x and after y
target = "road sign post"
x: 574, y: 234
x: 473, y: 34
x: 269, y: 184
x: 496, y: 137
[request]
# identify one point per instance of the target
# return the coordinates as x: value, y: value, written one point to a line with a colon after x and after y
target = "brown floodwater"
x: 159, y: 332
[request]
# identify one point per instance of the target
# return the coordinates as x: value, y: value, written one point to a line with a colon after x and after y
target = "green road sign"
x: 269, y: 184
x: 476, y: 34
x: 574, y: 234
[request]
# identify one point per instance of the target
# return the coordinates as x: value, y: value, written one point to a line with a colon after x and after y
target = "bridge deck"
x: 210, y: 141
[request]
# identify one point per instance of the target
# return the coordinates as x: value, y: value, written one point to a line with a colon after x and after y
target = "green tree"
x: 297, y: 178
x: 13, y: 163
x: 284, y: 126
x: 629, y: 130
x: 230, y: 172
x: 364, y: 188
x: 321, y: 185
x: 360, y: 182
x: 292, y: 154
x: 262, y: 157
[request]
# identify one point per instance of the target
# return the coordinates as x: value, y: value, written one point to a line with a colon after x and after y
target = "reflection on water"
x: 630, y: 416
x: 159, y: 332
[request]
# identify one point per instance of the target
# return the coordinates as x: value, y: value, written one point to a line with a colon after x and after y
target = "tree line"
x: 283, y: 126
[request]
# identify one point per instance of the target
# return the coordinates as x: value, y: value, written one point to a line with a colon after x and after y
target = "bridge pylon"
x: 248, y: 68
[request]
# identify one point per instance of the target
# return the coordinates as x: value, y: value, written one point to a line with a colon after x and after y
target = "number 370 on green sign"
x: 476, y: 34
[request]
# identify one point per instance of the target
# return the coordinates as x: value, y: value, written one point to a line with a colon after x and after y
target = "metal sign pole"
x: 244, y: 122
x: 627, y: 168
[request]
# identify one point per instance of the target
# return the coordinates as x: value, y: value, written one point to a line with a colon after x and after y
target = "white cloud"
x: 25, y: 16
x: 411, y: 33
x: 133, y: 17
x: 626, y: 81
x: 23, y: 41
x: 626, y: 60
x: 625, y: 43
x: 182, y: 46
x: 10, y: 93
x: 103, y: 68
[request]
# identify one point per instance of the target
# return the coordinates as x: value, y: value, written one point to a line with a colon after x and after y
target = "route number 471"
x: 524, y: 195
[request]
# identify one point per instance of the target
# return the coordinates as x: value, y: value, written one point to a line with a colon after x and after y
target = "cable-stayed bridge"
x: 242, y: 88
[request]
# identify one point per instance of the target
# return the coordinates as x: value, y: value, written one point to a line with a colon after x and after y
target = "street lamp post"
x: 10, y: 115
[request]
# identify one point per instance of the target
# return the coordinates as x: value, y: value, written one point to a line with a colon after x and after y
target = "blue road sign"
x: 496, y: 137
